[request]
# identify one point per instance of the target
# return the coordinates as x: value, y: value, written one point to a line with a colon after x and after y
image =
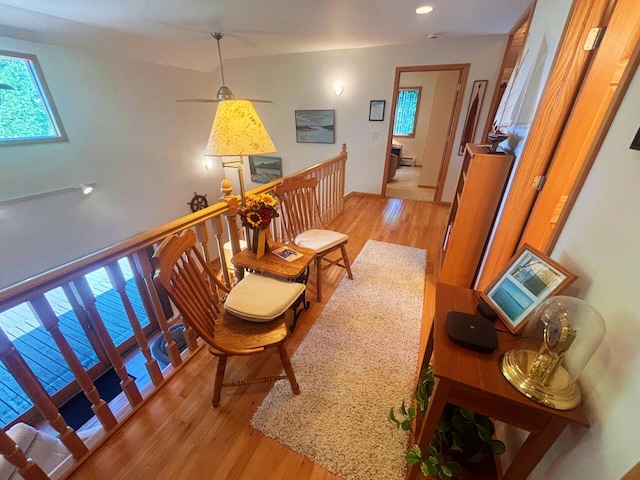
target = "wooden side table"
x: 271, y: 264
x: 474, y: 380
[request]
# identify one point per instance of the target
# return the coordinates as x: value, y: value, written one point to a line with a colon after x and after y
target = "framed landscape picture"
x: 529, y: 278
x: 315, y: 126
x: 265, y: 169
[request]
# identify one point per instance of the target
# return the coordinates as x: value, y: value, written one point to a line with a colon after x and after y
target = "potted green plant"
x: 460, y: 433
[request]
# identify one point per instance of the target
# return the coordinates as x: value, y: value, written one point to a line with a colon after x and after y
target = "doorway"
x: 420, y: 168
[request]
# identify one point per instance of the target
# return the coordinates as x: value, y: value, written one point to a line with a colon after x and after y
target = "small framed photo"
x: 265, y: 169
x: 376, y: 110
x: 529, y: 278
x: 315, y: 126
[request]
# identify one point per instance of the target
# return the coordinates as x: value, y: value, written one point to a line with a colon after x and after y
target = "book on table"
x: 287, y: 253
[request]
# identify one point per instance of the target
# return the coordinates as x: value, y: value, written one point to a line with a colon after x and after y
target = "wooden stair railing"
x: 221, y: 219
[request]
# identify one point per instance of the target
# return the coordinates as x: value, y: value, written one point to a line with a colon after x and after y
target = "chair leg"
x: 286, y: 363
x: 347, y: 265
x: 217, y: 386
x: 318, y: 279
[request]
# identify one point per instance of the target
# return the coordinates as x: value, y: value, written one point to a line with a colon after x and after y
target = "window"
x: 404, y: 124
x: 27, y: 112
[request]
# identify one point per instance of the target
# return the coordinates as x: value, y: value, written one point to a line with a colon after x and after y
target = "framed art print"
x: 315, y: 126
x: 376, y: 110
x: 265, y: 169
x: 529, y: 278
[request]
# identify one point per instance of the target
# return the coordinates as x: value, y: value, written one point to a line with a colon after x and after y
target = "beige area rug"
x: 405, y: 186
x: 358, y: 360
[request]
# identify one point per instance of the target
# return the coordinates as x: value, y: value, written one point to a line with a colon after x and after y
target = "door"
x: 435, y: 170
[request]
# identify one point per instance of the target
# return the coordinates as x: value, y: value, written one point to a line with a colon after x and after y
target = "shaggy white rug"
x: 358, y: 360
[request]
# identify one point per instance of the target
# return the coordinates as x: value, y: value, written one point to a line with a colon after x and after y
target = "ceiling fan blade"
x: 205, y: 100
x: 212, y: 100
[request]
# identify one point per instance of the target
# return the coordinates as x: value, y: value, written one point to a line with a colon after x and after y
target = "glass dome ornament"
x: 556, y: 344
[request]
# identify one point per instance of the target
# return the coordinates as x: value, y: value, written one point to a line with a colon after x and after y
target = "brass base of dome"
x: 561, y: 393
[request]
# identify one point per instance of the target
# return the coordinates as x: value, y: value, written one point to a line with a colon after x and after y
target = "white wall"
x: 127, y: 133
x: 600, y: 244
x: 305, y: 81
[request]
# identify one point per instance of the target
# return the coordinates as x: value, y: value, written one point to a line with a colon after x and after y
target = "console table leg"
x: 432, y: 416
x: 533, y: 449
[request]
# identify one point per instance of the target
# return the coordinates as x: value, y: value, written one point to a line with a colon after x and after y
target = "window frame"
x: 415, y: 115
x: 49, y: 105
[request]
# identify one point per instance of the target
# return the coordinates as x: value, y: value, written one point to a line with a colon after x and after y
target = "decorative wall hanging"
x: 198, y: 202
x: 475, y: 104
x: 376, y: 110
x: 315, y: 126
x: 265, y: 169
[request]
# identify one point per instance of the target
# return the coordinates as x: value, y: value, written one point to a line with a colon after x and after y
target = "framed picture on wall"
x: 473, y: 111
x: 529, y: 278
x: 315, y: 126
x: 265, y: 169
x: 376, y: 110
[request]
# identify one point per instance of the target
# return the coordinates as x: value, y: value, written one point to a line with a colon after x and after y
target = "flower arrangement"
x: 258, y: 211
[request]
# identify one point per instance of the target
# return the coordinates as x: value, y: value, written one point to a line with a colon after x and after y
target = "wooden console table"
x: 473, y: 380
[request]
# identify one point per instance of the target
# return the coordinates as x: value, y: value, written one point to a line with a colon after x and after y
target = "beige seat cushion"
x: 320, y: 240
x: 259, y: 298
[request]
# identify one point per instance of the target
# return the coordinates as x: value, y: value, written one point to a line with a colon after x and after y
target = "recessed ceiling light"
x: 423, y: 10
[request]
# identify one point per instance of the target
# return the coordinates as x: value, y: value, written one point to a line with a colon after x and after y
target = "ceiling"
x: 177, y: 32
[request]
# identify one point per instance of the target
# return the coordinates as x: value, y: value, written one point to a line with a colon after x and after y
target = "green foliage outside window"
x: 25, y: 111
x: 406, y: 112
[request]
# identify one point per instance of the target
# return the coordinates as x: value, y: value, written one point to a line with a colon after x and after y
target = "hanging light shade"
x: 238, y: 130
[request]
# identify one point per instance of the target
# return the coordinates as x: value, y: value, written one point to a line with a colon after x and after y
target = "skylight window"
x: 27, y: 112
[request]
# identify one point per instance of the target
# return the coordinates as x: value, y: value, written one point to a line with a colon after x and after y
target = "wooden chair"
x: 303, y: 225
x: 258, y: 321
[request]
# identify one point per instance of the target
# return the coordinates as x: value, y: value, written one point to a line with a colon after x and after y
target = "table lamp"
x: 236, y: 131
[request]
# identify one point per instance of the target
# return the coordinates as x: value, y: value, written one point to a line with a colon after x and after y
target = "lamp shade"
x: 238, y: 130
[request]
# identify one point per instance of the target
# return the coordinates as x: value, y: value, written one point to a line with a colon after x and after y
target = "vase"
x: 259, y: 241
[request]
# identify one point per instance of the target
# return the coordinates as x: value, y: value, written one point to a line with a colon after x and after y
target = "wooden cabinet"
x: 481, y: 183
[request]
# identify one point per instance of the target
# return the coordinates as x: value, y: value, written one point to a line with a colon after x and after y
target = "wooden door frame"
x: 463, y: 69
x: 572, y: 69
x: 508, y: 63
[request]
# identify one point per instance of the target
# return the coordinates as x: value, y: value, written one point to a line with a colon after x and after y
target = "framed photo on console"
x: 529, y: 278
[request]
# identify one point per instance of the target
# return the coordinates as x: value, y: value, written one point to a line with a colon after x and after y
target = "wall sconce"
x: 85, y: 188
x: 338, y: 88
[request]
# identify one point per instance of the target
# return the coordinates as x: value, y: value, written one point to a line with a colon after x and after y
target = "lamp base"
x: 562, y: 393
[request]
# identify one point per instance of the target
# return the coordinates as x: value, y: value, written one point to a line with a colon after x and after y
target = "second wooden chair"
x: 304, y: 227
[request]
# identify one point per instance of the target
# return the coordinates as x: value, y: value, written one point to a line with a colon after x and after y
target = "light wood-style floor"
x: 177, y: 435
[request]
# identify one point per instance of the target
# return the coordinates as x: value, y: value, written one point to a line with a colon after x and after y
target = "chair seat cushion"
x: 259, y: 298
x: 320, y: 240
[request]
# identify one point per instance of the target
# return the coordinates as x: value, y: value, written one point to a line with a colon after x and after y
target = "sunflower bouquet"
x: 258, y: 211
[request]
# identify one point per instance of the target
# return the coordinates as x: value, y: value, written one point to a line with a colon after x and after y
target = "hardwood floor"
x: 177, y: 435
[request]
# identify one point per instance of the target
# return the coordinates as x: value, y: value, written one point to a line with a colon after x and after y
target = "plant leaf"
x: 414, y: 455
x: 428, y: 469
x: 406, y: 425
x: 392, y: 418
x: 497, y: 446
x: 411, y: 412
x: 467, y: 414
x: 403, y: 408
x: 455, y: 468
